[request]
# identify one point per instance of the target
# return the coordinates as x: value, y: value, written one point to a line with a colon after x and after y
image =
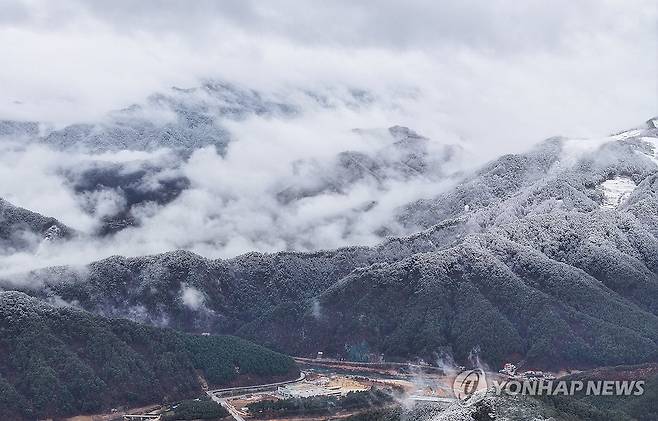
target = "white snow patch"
x: 616, y: 190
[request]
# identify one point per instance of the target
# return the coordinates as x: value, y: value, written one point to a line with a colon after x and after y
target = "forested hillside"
x: 61, y: 361
x: 22, y: 229
x: 507, y: 299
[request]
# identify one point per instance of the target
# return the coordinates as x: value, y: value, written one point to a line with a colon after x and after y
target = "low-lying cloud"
x: 306, y: 182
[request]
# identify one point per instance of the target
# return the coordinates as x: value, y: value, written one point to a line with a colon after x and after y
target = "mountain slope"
x: 558, y: 279
x: 22, y: 229
x: 182, y: 119
x: 506, y: 298
x: 524, y: 261
x: 60, y: 361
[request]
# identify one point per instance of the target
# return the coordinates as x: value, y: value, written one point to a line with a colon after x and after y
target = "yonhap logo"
x: 470, y: 386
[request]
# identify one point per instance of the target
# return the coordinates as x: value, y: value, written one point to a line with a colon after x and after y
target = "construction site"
x: 320, y: 380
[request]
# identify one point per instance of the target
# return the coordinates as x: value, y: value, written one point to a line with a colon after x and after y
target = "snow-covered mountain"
x: 180, y: 119
x: 524, y: 258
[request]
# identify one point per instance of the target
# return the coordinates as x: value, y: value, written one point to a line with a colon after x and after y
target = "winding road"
x: 246, y: 390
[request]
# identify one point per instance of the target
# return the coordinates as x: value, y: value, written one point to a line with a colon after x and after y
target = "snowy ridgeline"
x: 616, y: 190
x: 619, y: 188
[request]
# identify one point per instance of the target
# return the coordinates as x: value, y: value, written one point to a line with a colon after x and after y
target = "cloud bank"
x: 499, y: 74
x: 307, y: 183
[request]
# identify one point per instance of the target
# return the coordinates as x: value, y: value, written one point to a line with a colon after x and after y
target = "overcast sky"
x: 524, y: 70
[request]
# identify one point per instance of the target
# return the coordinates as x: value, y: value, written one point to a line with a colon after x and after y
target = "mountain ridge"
x: 547, y: 237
